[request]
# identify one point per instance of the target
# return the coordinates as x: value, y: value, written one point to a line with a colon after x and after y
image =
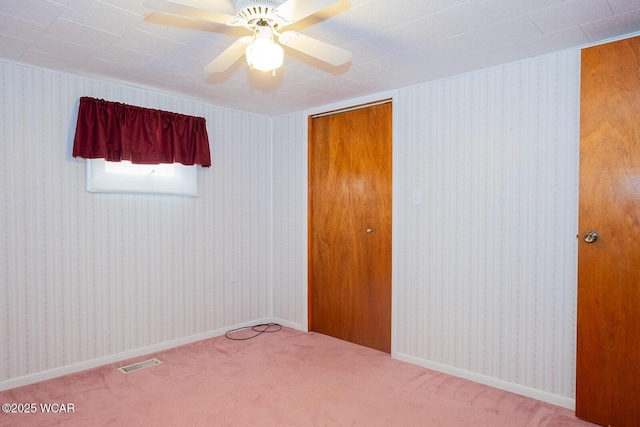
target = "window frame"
x: 184, y: 182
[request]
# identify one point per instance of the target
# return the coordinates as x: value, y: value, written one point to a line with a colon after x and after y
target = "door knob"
x: 590, y: 237
x: 369, y: 230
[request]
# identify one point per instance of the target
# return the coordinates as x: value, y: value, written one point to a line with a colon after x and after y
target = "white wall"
x: 290, y: 220
x: 484, y: 269
x: 86, y: 277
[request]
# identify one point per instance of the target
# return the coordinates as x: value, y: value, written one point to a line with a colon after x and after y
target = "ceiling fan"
x: 265, y: 19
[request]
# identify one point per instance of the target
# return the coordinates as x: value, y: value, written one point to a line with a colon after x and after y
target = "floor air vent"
x: 139, y: 365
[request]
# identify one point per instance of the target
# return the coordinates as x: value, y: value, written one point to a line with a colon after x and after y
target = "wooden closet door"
x: 350, y: 225
x: 608, y: 351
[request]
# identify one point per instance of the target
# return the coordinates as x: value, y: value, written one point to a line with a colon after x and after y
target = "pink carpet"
x: 286, y: 378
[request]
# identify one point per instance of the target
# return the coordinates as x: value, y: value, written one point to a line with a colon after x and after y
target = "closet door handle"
x: 590, y: 237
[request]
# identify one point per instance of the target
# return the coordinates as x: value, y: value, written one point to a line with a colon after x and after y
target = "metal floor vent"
x: 139, y: 365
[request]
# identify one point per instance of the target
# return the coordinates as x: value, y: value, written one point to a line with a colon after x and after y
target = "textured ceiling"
x: 394, y: 44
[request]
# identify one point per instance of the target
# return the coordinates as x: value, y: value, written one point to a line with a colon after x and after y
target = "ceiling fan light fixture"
x: 263, y: 53
x: 265, y: 19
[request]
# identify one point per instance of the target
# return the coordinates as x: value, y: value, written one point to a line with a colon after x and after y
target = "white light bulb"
x: 264, y: 55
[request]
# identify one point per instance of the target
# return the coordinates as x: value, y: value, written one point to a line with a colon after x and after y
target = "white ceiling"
x: 394, y: 44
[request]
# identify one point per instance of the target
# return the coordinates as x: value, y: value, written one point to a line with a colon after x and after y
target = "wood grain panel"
x: 350, y: 226
x: 608, y: 366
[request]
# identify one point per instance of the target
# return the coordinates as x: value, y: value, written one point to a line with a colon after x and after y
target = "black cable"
x: 254, y: 328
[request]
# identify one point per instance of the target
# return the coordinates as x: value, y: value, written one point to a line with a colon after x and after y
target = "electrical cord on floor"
x: 260, y: 329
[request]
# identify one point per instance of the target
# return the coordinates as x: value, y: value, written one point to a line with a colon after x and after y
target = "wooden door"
x: 350, y: 225
x: 608, y: 352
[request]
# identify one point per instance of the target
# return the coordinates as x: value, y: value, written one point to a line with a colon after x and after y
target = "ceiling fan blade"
x: 182, y: 9
x: 227, y: 58
x: 294, y: 10
x: 316, y: 48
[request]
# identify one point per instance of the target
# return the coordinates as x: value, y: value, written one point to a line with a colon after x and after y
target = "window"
x: 125, y: 177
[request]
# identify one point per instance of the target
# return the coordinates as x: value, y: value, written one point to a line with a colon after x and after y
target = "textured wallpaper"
x: 290, y: 220
x: 88, y: 275
x: 484, y: 268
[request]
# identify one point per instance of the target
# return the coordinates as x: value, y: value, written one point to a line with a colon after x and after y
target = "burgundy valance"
x: 115, y: 132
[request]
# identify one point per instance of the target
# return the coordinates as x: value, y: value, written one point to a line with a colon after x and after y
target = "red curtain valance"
x: 115, y: 132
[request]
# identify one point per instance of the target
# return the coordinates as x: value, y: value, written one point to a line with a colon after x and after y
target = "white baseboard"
x: 288, y: 324
x: 118, y: 357
x: 543, y: 396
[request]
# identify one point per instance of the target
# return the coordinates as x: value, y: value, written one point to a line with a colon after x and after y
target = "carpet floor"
x: 285, y: 378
